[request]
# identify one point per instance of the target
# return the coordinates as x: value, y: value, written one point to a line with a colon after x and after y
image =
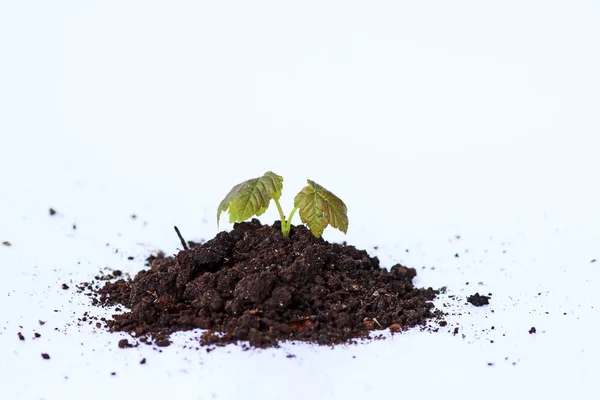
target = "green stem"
x: 282, y: 218
x: 286, y: 224
x: 292, y: 216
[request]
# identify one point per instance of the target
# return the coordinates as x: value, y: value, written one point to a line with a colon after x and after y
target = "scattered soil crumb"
x: 532, y: 330
x: 65, y: 286
x: 253, y: 285
x: 143, y: 361
x: 52, y: 211
x: 41, y: 322
x: 124, y: 343
x: 478, y: 300
x: 21, y: 337
x: 45, y: 356
x: 6, y: 243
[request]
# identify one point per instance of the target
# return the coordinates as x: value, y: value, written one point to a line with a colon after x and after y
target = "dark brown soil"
x: 253, y: 285
x: 478, y: 300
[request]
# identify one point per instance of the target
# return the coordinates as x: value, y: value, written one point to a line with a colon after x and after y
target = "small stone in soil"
x: 532, y: 330
x: 478, y: 300
x: 45, y: 356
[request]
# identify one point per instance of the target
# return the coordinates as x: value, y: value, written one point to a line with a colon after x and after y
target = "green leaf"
x: 319, y: 207
x: 251, y: 198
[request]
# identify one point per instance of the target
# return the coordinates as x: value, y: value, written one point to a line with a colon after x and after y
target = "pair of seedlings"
x: 317, y: 206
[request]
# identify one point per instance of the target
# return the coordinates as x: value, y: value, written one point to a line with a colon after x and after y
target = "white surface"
x: 430, y: 119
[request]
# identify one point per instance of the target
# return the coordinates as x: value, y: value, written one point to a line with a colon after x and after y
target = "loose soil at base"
x: 253, y: 285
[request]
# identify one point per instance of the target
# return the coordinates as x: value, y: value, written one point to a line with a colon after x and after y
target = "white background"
x: 430, y: 119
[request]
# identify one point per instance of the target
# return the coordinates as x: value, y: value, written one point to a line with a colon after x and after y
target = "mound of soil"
x: 253, y: 285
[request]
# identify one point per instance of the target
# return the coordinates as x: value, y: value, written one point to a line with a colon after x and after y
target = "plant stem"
x: 281, y: 216
x: 283, y: 221
x: 286, y: 224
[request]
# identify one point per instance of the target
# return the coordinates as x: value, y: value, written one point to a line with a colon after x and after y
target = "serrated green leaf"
x: 318, y: 207
x: 251, y: 198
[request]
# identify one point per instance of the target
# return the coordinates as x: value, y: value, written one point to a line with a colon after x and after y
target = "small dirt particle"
x: 478, y: 300
x: 52, y: 211
x: 6, y: 243
x: 143, y: 361
x: 45, y: 356
x: 37, y: 335
x: 532, y: 330
x: 21, y: 337
x: 65, y: 286
x: 124, y: 344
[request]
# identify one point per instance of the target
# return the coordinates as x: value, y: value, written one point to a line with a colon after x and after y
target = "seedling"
x: 317, y: 206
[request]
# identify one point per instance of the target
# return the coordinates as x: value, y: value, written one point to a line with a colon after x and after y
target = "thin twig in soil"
x: 183, y: 243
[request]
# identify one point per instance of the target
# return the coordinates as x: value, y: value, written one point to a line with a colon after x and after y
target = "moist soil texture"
x: 253, y: 285
x: 478, y: 300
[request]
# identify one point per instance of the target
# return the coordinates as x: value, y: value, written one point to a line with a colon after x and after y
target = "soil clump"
x: 253, y: 285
